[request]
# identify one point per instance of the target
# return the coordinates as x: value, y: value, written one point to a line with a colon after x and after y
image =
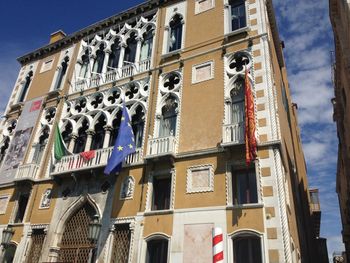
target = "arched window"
x: 66, y: 134
x: 138, y: 123
x: 114, y: 56
x: 146, y: 48
x: 168, y: 119
x: 175, y: 40
x: 84, y: 69
x: 39, y: 149
x: 98, y: 138
x: 157, y: 251
x: 237, y: 105
x: 115, y: 130
x: 130, y: 50
x: 61, y: 73
x: 82, y: 136
x: 98, y: 63
x: 25, y: 86
x: 247, y: 249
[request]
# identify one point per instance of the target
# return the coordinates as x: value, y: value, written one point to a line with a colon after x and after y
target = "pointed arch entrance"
x: 75, y: 245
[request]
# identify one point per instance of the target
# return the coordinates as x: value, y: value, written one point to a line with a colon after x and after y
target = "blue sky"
x: 304, y: 26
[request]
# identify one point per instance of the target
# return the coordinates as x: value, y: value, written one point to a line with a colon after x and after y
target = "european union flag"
x: 124, y: 144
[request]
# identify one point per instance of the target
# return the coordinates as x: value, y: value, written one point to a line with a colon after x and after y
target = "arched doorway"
x: 75, y: 245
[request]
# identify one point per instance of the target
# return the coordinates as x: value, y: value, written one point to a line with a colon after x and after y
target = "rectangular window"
x: 238, y: 14
x: 21, y: 209
x: 38, y: 237
x: 202, y: 72
x: 203, y: 5
x: 244, y: 187
x: 121, y: 243
x: 161, y: 192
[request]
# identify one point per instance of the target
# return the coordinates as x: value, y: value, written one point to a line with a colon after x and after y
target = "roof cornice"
x: 94, y: 28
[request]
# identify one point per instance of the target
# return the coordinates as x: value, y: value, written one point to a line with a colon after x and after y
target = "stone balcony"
x: 162, y: 146
x: 112, y: 74
x: 75, y: 162
x: 232, y: 134
x: 27, y: 172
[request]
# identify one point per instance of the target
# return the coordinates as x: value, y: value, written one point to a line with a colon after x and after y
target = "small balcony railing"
x: 111, y: 75
x: 76, y: 162
x: 162, y: 146
x: 27, y: 172
x: 144, y: 65
x: 127, y: 70
x: 96, y: 80
x: 81, y: 84
x: 233, y: 134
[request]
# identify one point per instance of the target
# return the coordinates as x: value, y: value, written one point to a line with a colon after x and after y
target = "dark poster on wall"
x: 20, y: 141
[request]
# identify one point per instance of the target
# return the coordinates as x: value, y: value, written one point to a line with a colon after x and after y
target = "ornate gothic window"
x: 98, y: 138
x: 98, y: 63
x: 247, y: 249
x: 25, y: 87
x: 115, y: 130
x: 61, y: 73
x: 237, y: 102
x: 85, y: 60
x: 238, y: 14
x: 82, y: 136
x: 40, y: 147
x: 147, y: 44
x: 138, y: 123
x: 168, y: 119
x: 115, y: 54
x: 176, y: 28
x: 66, y: 134
x: 130, y: 50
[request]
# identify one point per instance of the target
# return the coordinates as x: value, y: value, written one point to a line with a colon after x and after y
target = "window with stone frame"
x: 98, y: 63
x: 168, y: 119
x: 40, y: 146
x: 130, y: 50
x: 175, y: 37
x: 238, y: 16
x: 147, y: 44
x: 138, y: 123
x: 157, y: 251
x: 121, y: 243
x: 84, y: 67
x: 82, y: 137
x: 244, y: 187
x: 115, y: 128
x: 61, y: 73
x: 25, y: 86
x: 247, y: 249
x: 22, y: 203
x: 113, y: 61
x: 161, y: 195
x: 38, y: 237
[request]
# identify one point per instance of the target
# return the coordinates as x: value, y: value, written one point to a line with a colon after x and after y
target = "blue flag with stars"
x: 124, y: 144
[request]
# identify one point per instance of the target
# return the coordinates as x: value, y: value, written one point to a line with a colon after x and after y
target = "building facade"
x: 180, y: 67
x: 340, y: 18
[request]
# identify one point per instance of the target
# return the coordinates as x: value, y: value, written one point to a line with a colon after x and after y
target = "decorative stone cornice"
x: 120, y: 18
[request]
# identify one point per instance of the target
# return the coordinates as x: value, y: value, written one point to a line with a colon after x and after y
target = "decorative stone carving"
x: 46, y: 199
x: 127, y: 188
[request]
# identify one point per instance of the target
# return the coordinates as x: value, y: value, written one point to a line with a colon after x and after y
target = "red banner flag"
x: 250, y: 140
x: 87, y: 155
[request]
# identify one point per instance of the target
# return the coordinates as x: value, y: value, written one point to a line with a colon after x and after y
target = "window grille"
x: 75, y: 245
x: 38, y: 238
x: 121, y: 243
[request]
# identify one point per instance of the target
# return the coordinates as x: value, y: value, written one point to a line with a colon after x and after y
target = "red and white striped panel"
x: 218, y: 245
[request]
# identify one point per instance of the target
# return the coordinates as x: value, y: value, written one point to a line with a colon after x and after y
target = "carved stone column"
x: 72, y: 142
x: 89, y: 133
x: 122, y: 53
x: 108, y: 131
x: 138, y: 51
x: 105, y: 62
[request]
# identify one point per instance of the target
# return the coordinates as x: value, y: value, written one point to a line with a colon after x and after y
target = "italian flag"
x: 60, y: 149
